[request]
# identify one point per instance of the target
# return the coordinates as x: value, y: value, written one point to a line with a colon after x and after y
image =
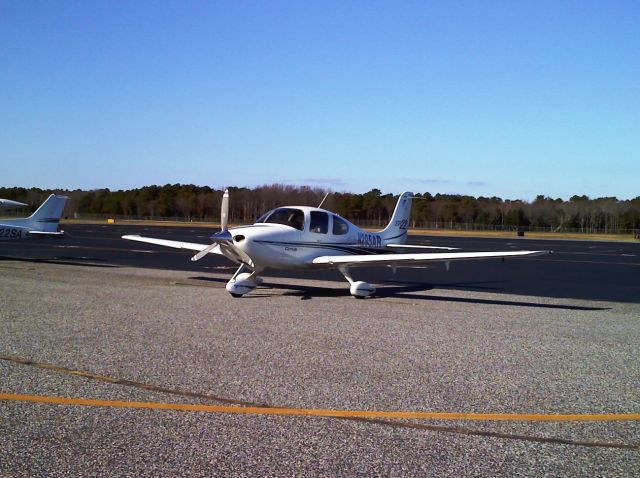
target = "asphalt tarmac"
x: 121, y: 371
x: 589, y: 270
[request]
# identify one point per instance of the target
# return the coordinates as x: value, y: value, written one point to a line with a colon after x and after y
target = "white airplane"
x: 43, y: 222
x: 9, y: 204
x: 302, y: 237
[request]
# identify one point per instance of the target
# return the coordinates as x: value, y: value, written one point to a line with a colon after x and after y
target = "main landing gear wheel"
x: 358, y: 289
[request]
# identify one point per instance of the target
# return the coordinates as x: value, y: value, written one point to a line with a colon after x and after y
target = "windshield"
x: 264, y: 217
x: 285, y: 215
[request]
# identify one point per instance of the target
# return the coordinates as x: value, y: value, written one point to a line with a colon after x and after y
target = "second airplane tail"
x: 47, y: 216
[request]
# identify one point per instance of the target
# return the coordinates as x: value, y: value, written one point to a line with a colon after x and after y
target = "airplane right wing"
x: 192, y: 246
x: 390, y: 259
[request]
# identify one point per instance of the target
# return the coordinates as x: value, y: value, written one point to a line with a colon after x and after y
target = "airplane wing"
x: 389, y: 259
x: 192, y: 246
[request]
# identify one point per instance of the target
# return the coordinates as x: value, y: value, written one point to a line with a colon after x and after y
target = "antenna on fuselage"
x: 323, y: 199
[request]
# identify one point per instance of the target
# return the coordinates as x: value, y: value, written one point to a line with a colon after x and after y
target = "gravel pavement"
x: 306, y: 346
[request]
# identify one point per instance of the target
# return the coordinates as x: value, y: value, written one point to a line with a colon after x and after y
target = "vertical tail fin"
x: 47, y: 216
x: 396, y: 231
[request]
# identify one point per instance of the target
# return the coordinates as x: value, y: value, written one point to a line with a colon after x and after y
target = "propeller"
x: 224, y: 234
x: 224, y: 211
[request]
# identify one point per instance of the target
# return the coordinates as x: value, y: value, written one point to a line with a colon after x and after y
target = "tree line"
x: 454, y: 211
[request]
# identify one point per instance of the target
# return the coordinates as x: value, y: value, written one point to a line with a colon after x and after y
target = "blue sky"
x: 505, y: 98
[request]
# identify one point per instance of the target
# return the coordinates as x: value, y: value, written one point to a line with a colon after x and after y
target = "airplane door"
x: 319, y: 226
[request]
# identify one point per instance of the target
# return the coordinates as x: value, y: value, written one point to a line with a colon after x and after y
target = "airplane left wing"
x: 192, y: 246
x: 390, y: 259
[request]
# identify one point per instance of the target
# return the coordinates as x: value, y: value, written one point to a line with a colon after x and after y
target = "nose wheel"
x: 243, y: 282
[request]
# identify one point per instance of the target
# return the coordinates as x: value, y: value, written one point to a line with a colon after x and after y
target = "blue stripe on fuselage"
x: 350, y: 249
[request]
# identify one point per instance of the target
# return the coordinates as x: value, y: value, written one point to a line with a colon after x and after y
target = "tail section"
x: 396, y: 231
x: 47, y: 216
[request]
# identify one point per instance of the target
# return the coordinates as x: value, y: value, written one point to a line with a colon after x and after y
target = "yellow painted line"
x: 318, y: 412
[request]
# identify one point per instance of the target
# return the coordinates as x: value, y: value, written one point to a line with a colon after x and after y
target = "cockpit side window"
x: 319, y: 222
x: 340, y: 226
x: 287, y: 216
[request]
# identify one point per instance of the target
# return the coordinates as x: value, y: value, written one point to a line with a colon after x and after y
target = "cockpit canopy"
x: 284, y: 215
x: 319, y: 221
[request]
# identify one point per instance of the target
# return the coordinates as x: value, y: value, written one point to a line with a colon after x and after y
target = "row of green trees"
x: 202, y: 203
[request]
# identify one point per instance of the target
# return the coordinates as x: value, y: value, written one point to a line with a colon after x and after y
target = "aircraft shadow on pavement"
x: 66, y: 261
x: 398, y: 291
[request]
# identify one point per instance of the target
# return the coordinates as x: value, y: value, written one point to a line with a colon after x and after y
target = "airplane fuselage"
x: 318, y: 233
x: 10, y: 233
